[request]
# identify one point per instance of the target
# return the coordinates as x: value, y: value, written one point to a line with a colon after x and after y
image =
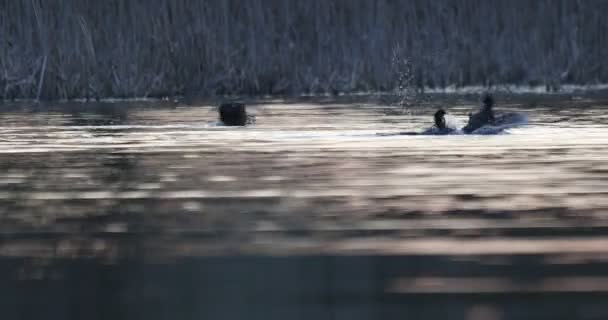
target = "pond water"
x: 150, y: 210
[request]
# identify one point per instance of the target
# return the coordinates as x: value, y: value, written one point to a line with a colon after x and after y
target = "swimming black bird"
x: 493, y: 121
x: 235, y: 114
x: 484, y: 117
x: 441, y: 125
x: 440, y: 119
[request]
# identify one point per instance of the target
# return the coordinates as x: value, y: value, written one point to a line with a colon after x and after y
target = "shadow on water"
x: 145, y: 211
x: 96, y: 118
x: 303, y: 287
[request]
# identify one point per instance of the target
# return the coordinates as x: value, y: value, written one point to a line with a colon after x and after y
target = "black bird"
x: 483, y: 117
x: 235, y: 114
x: 441, y: 126
x: 440, y: 119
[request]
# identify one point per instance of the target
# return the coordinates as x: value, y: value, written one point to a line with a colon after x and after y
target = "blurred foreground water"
x: 146, y: 210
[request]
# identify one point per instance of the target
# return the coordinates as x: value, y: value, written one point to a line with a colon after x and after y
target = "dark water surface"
x: 146, y: 210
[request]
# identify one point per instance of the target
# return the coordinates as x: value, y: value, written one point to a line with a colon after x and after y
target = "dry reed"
x: 116, y: 48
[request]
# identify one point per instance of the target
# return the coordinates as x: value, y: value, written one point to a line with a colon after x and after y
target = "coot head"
x: 233, y: 114
x: 440, y: 119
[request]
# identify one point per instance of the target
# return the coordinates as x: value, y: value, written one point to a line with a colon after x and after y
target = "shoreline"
x: 569, y: 89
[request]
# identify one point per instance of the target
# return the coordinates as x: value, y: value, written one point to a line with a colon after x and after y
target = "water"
x: 150, y: 210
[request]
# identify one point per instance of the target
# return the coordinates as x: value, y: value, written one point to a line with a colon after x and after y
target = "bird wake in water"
x: 484, y: 122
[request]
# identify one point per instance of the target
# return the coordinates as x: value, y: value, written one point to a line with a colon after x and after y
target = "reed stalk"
x: 114, y: 48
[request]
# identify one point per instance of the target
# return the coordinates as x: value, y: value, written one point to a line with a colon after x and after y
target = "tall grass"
x: 126, y: 48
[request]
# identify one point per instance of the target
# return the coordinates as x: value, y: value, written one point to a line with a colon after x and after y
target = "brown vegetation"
x: 116, y: 48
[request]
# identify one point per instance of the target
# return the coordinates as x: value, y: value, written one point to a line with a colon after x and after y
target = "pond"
x: 319, y: 210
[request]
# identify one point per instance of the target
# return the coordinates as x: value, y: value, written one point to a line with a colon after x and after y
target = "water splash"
x: 452, y: 122
x: 503, y: 123
x: 407, y: 94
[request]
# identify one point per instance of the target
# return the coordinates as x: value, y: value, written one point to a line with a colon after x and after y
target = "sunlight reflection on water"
x: 318, y: 210
x: 327, y: 158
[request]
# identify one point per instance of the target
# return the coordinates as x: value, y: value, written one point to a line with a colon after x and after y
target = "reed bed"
x: 63, y: 49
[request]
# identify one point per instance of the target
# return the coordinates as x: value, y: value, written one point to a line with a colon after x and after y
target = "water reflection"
x: 116, y: 211
x: 320, y: 287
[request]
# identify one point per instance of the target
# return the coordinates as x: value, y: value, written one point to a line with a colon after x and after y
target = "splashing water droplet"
x: 407, y: 95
